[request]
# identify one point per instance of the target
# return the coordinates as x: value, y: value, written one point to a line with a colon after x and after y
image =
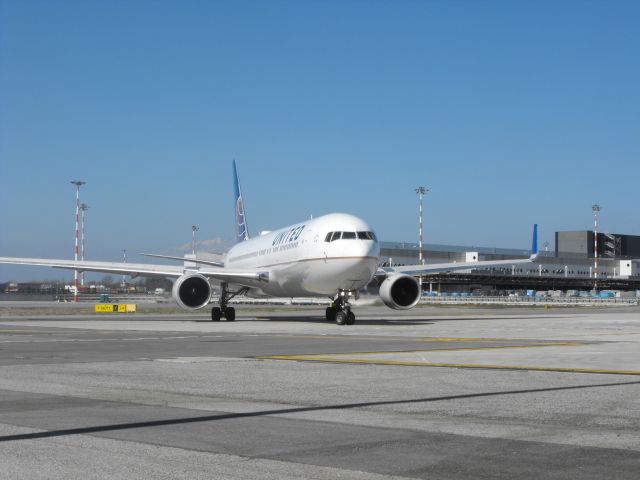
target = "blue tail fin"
x: 534, y: 242
x: 242, y: 233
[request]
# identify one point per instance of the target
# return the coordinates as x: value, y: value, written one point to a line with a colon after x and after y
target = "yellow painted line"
x: 497, y: 347
x: 420, y: 339
x: 423, y: 339
x: 480, y: 340
x: 335, y: 355
x: 462, y: 339
x: 329, y: 359
x: 386, y: 338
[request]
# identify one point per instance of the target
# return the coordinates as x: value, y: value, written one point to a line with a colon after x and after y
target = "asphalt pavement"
x: 280, y: 393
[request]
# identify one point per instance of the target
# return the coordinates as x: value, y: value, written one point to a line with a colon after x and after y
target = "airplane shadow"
x: 372, y: 322
x: 320, y: 320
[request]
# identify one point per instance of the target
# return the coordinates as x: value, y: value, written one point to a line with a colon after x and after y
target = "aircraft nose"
x: 369, y: 248
x: 370, y: 258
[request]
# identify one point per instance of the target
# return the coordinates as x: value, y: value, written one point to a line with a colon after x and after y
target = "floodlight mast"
x: 421, y: 191
x: 124, y: 260
x: 194, y: 229
x: 596, y: 210
x: 78, y: 184
x: 83, y: 208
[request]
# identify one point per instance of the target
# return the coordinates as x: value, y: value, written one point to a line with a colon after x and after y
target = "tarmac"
x: 432, y: 393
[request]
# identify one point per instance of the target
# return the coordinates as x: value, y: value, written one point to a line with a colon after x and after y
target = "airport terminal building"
x: 571, y: 266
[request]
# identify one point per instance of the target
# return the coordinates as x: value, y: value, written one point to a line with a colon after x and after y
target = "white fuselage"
x: 301, y: 262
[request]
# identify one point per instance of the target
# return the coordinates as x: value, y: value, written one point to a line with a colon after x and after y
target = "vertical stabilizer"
x: 242, y: 233
x: 534, y: 242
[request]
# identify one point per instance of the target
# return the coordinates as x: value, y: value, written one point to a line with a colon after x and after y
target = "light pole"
x: 124, y: 259
x: 421, y: 191
x: 596, y: 210
x: 83, y: 208
x: 194, y: 229
x: 78, y: 184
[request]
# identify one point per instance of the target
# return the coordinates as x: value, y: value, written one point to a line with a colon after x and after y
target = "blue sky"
x: 509, y: 112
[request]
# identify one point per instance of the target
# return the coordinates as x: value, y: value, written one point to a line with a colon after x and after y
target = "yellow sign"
x: 115, y: 308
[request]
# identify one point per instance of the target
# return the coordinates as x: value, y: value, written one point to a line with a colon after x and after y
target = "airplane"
x: 334, y: 256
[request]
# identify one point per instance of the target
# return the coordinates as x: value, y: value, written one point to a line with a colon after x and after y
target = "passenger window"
x: 348, y: 235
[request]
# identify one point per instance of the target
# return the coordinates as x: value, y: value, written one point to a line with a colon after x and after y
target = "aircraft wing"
x: 417, y: 270
x: 143, y: 269
x: 103, y: 267
x: 185, y: 259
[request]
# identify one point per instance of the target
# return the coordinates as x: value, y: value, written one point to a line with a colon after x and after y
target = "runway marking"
x: 351, y: 336
x: 341, y: 358
x: 463, y: 339
x: 333, y: 359
x: 496, y: 347
x: 321, y: 357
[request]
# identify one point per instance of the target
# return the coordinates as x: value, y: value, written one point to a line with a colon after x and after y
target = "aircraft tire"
x: 341, y: 318
x: 230, y: 314
x: 330, y: 314
x: 351, y: 318
x: 216, y: 314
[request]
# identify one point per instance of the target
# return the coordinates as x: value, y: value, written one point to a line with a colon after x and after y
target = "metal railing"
x: 523, y: 300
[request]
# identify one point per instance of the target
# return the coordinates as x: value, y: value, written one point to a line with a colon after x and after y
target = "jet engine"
x: 400, y: 292
x: 191, y: 291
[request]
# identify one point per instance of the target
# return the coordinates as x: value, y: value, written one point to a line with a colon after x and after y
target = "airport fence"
x: 558, y: 301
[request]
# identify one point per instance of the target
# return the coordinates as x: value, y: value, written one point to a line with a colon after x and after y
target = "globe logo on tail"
x: 242, y: 233
x: 240, y: 220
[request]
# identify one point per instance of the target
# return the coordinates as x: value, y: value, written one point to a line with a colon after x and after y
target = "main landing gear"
x: 229, y: 313
x: 340, y: 310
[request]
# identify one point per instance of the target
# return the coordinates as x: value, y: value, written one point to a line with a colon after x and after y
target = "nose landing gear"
x: 340, y: 310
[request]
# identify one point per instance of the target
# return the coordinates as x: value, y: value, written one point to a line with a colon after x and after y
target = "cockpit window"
x: 333, y: 236
x: 366, y: 236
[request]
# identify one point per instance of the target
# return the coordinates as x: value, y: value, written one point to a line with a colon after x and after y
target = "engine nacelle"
x: 400, y: 292
x: 191, y: 291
